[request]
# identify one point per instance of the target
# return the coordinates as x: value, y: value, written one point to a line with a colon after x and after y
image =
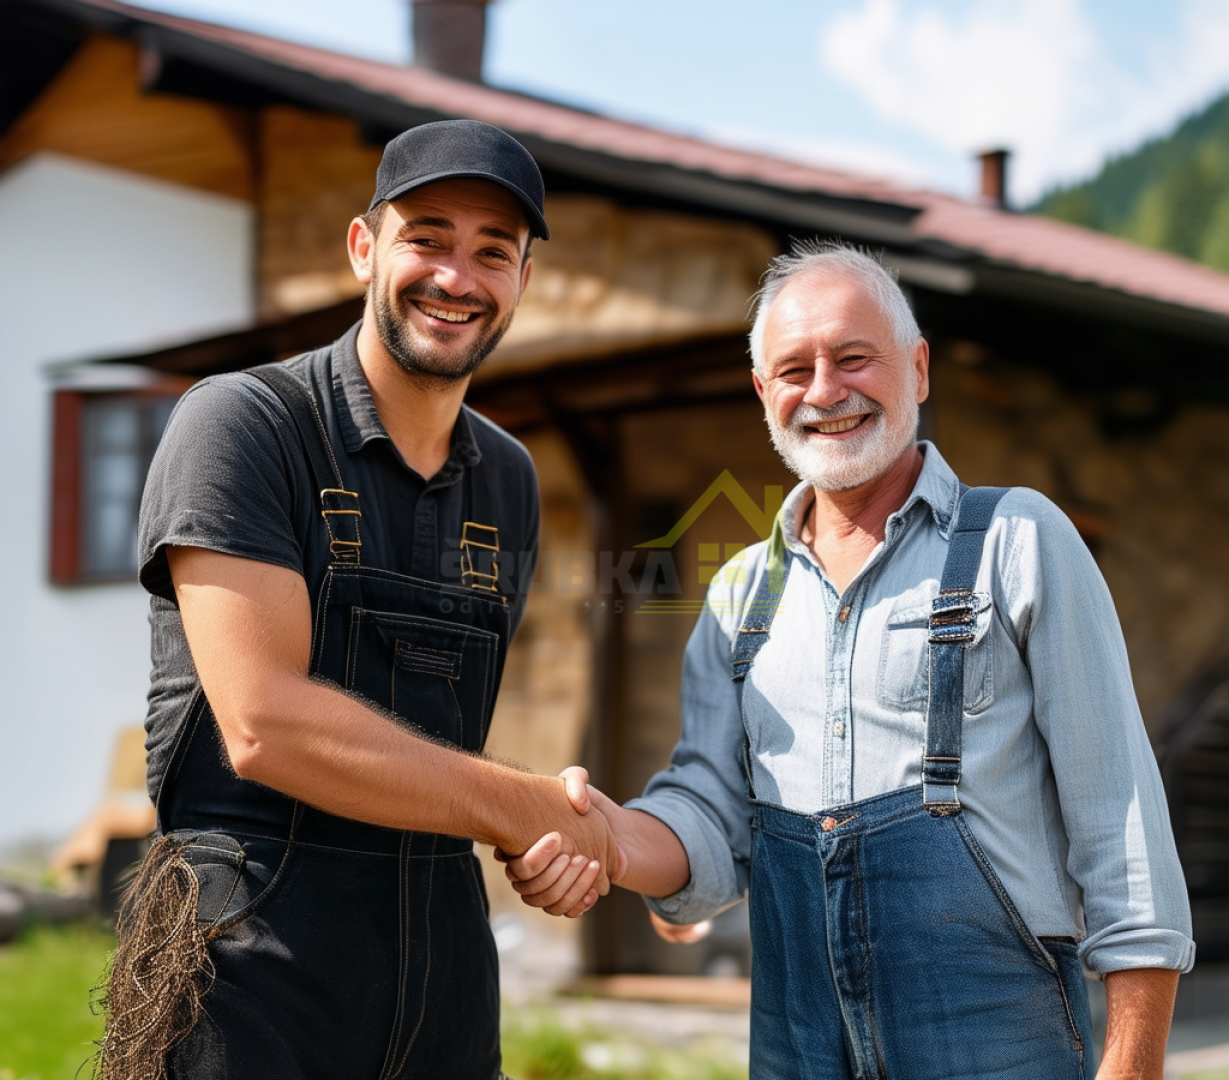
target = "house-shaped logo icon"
x: 715, y: 558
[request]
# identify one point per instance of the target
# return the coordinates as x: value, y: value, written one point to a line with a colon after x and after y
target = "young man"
x: 331, y: 615
x: 910, y: 737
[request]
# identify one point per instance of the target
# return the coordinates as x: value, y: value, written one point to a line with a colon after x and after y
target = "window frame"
x: 68, y: 542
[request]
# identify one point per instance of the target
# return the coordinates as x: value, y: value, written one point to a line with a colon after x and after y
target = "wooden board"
x: 95, y: 111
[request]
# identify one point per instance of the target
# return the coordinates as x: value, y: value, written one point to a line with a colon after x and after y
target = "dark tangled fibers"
x: 160, y: 971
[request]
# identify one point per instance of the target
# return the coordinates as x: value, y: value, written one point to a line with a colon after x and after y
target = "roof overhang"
x: 938, y: 245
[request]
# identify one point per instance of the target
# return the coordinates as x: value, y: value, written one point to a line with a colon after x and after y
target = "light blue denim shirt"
x: 1059, y: 781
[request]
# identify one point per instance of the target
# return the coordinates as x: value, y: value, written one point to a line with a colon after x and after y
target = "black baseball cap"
x: 450, y: 149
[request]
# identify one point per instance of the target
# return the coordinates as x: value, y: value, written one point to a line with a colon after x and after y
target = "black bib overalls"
x: 345, y: 950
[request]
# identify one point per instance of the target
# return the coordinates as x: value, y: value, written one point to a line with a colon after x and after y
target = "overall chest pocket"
x: 436, y: 676
x: 904, y: 656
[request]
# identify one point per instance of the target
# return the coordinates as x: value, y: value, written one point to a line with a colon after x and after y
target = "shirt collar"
x: 937, y: 488
x: 359, y: 421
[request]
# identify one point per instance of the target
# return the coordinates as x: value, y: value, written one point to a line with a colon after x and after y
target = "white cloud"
x: 1035, y: 77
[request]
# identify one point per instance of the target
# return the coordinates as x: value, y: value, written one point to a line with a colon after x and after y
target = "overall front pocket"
x: 904, y: 657
x: 436, y: 676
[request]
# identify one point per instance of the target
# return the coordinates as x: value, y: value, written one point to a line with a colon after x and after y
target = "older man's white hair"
x: 832, y: 259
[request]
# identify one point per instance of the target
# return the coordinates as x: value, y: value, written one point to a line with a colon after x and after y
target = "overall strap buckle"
x: 341, y: 514
x: 952, y: 617
x: 475, y: 540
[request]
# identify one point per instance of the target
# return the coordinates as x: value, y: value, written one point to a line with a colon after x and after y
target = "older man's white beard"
x: 864, y: 455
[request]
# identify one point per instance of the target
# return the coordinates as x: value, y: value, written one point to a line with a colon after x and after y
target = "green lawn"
x: 47, y: 1029
x: 46, y: 1026
x: 538, y: 1047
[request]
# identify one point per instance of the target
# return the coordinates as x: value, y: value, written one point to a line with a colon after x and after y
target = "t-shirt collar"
x: 356, y: 409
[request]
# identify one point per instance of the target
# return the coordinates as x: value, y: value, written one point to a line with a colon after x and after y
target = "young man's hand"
x: 654, y: 862
x: 546, y: 876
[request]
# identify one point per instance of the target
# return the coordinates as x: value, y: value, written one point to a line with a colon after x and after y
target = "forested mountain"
x: 1171, y: 193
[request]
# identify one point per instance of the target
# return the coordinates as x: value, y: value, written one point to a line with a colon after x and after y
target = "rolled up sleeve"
x: 1121, y: 848
x: 702, y: 795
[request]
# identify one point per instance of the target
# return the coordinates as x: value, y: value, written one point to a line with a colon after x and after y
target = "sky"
x: 905, y: 89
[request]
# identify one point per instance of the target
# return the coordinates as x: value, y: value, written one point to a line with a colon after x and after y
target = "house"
x: 173, y: 198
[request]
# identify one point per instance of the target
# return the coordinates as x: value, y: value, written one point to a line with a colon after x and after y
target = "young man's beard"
x: 851, y: 462
x: 415, y: 351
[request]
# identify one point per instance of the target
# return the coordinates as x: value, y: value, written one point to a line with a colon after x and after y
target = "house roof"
x: 936, y: 240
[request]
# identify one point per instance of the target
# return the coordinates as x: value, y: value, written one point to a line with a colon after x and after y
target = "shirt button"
x: 844, y: 614
x: 838, y: 729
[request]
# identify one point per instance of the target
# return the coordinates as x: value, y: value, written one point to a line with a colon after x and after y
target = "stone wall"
x: 544, y: 701
x: 1154, y: 507
x: 316, y: 175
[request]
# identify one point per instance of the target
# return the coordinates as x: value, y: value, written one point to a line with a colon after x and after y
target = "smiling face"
x: 840, y: 394
x: 444, y: 274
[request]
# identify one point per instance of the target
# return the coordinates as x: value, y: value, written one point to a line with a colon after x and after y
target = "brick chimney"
x: 994, y: 177
x: 449, y: 36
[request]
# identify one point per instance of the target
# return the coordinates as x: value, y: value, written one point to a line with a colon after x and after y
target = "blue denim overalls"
x: 885, y: 945
x: 339, y: 949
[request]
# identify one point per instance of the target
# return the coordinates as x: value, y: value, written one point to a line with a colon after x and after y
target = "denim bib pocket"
x: 413, y: 666
x: 903, y: 680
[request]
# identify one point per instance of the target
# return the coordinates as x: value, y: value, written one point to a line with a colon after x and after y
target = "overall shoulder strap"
x: 952, y: 619
x: 759, y: 613
x: 338, y: 506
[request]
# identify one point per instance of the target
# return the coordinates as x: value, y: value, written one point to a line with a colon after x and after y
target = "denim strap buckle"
x: 952, y: 616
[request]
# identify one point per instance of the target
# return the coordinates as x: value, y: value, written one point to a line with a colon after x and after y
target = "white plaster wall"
x: 93, y: 262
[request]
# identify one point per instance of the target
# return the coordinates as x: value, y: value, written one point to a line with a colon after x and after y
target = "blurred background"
x: 1050, y: 181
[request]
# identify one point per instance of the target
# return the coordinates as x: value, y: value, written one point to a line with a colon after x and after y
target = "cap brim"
x: 537, y: 223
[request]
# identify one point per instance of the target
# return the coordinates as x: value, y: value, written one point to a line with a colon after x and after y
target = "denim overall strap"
x: 951, y: 629
x: 338, y: 505
x: 758, y: 615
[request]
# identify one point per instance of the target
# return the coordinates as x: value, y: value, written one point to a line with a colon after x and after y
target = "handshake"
x: 600, y: 843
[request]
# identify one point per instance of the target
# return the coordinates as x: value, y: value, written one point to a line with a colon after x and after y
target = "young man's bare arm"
x: 248, y: 626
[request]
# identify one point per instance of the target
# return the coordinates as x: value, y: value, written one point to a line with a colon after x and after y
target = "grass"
x: 46, y: 1026
x: 542, y: 1048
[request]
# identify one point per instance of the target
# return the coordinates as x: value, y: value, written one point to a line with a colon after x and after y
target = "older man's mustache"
x: 855, y: 405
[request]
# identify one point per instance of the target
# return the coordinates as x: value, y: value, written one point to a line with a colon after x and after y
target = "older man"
x: 910, y: 733
x: 330, y: 625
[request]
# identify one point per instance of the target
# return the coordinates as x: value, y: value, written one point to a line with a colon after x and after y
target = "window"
x: 104, y: 443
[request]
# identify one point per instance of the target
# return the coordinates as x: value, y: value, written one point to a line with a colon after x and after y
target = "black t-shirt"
x: 230, y: 476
